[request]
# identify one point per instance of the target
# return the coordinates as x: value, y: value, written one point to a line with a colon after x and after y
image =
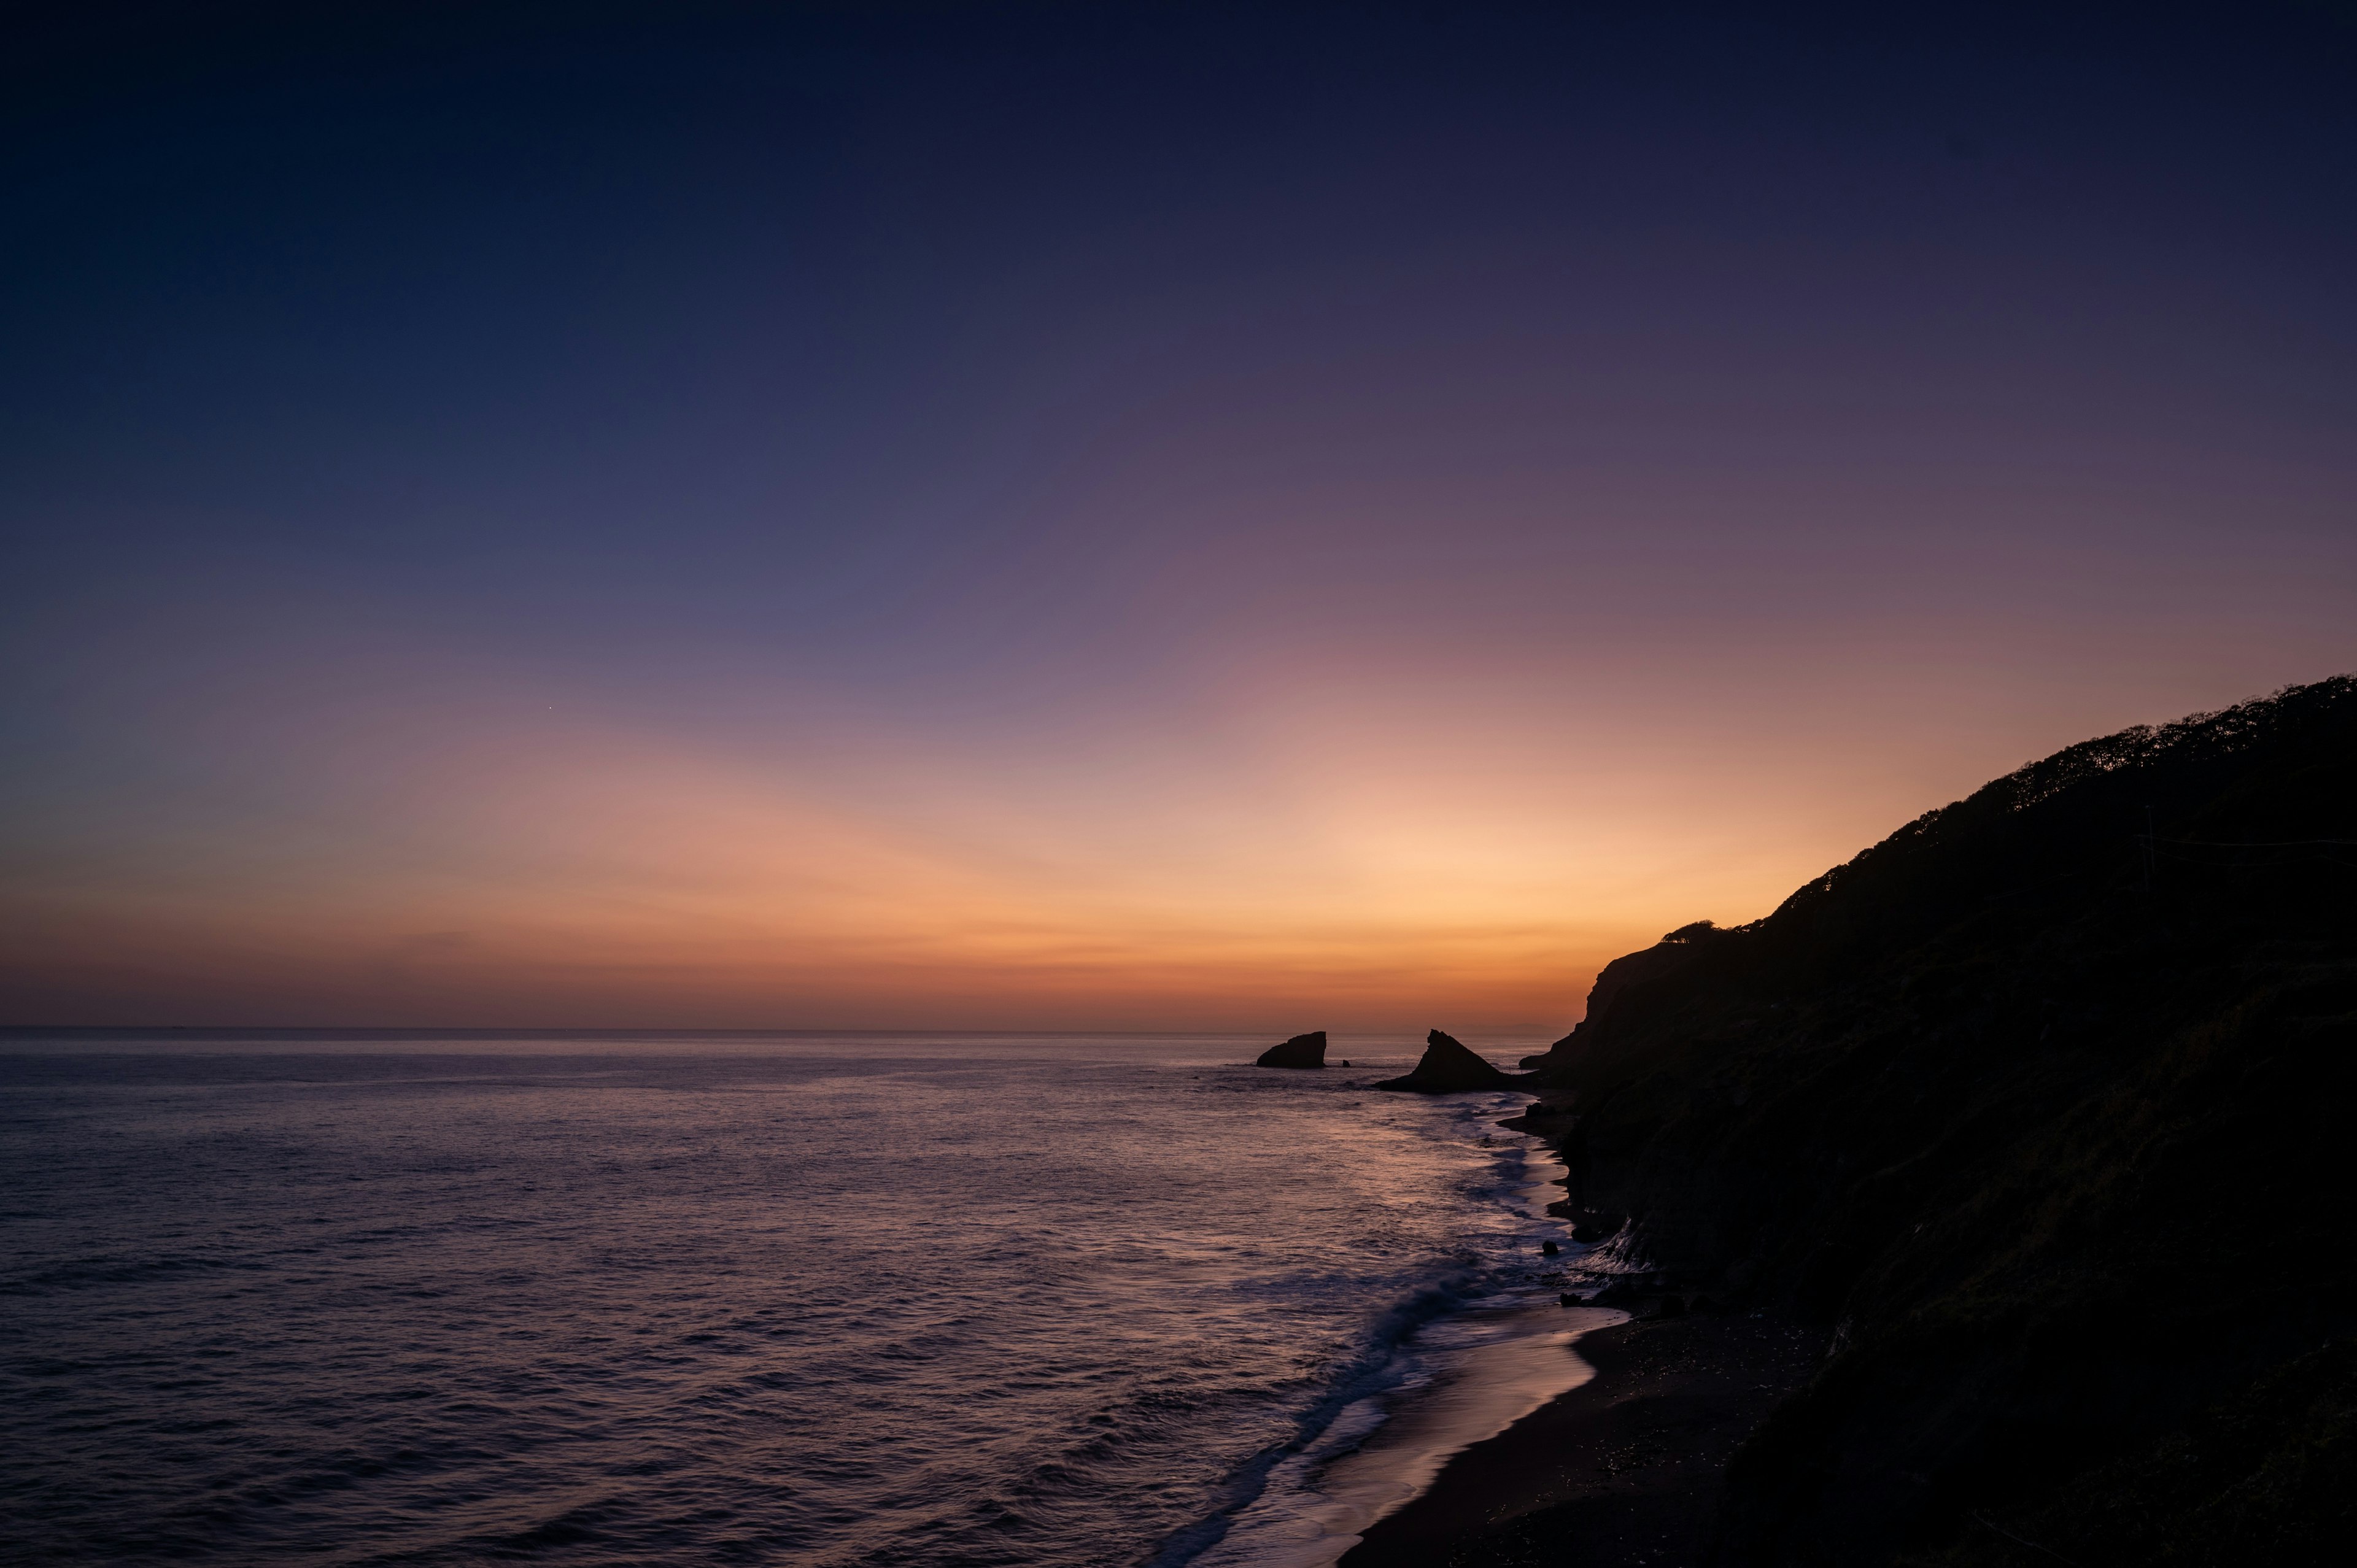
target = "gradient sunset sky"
x: 1107, y: 517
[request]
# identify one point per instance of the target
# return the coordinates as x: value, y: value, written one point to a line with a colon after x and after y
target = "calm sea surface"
x: 785, y: 1299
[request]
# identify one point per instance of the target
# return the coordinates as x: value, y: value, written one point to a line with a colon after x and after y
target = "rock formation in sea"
x: 1302, y: 1050
x: 1448, y: 1068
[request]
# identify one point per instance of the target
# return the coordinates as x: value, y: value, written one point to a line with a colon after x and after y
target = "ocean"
x: 782, y: 1299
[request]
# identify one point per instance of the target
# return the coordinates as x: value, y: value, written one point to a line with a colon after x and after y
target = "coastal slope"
x: 2041, y: 1110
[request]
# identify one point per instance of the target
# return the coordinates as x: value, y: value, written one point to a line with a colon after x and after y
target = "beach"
x: 1622, y: 1469
x: 1619, y: 1462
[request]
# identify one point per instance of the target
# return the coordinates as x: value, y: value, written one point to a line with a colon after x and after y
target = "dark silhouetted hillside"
x: 2048, y: 1102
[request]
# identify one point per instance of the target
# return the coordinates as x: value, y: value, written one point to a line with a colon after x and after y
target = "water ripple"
x: 936, y: 1302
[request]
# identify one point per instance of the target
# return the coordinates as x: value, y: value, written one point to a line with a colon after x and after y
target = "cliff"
x: 1665, y: 957
x: 2042, y: 1106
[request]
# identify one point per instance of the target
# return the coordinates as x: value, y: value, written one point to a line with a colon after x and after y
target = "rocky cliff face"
x: 1302, y: 1050
x: 1448, y: 1067
x: 1665, y: 957
x: 2043, y: 1105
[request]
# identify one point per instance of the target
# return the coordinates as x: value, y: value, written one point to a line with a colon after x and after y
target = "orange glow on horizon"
x: 1288, y: 863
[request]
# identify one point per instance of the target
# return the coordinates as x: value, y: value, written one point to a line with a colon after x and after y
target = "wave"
x: 88, y: 1272
x: 1372, y: 1371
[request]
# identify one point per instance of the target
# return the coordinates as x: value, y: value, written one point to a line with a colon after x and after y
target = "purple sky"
x: 977, y: 517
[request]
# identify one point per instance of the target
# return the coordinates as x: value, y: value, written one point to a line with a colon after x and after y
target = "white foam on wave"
x: 1456, y: 1379
x: 1320, y: 1503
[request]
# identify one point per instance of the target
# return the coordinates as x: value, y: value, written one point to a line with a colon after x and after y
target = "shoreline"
x: 1622, y: 1469
x: 1378, y: 1456
x: 1493, y: 1363
x: 1580, y: 1434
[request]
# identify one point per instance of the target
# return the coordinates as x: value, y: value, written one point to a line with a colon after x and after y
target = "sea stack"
x: 1448, y: 1068
x: 1302, y: 1050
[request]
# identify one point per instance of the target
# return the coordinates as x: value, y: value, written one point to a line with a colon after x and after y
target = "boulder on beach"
x: 1302, y: 1050
x: 1448, y: 1068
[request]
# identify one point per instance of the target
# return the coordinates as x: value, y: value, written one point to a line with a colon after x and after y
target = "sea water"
x: 825, y: 1300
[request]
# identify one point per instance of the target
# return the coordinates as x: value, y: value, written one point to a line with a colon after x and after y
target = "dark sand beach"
x: 1623, y: 1469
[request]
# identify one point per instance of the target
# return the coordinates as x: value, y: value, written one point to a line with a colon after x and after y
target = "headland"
x: 1993, y: 1196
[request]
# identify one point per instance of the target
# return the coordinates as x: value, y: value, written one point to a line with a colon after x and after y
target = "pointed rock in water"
x: 1448, y: 1068
x: 1302, y: 1050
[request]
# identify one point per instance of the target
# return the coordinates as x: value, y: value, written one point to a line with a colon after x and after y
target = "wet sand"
x: 1506, y: 1366
x: 1623, y: 1469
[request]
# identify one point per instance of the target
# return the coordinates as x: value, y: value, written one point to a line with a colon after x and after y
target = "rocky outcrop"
x: 1448, y: 1068
x: 1959, y: 1102
x: 1663, y: 959
x: 1302, y: 1050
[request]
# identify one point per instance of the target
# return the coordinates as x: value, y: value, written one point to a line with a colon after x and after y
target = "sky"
x: 1018, y: 517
